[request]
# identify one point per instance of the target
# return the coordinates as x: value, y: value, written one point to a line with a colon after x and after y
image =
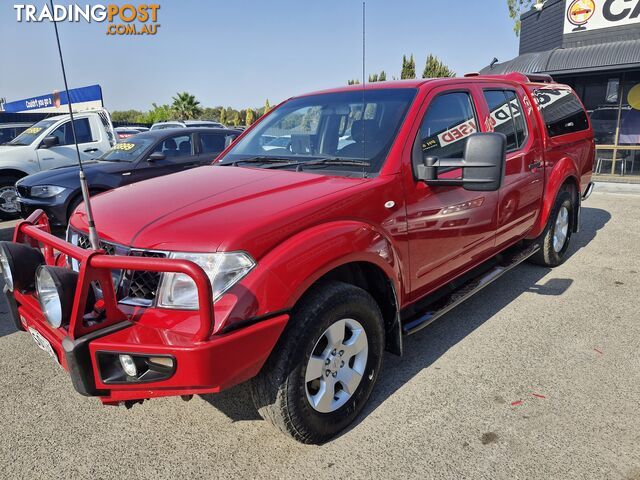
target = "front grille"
x: 83, y: 242
x: 139, y: 287
x: 144, y: 285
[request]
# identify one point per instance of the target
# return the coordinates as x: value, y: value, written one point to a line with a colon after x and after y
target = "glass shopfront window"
x: 613, y: 103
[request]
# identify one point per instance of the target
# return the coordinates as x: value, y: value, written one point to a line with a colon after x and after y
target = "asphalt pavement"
x: 538, y: 376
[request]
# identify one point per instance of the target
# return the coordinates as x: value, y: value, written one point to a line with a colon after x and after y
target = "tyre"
x: 554, y: 240
x: 323, y: 369
x: 9, y: 209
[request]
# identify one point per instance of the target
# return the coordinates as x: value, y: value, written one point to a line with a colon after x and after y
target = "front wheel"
x: 9, y: 209
x: 554, y: 240
x: 322, y: 372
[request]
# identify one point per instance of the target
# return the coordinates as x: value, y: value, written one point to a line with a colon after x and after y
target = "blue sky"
x: 237, y: 53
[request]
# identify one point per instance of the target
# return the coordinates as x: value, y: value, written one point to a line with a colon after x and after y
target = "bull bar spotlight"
x: 56, y: 288
x: 19, y: 264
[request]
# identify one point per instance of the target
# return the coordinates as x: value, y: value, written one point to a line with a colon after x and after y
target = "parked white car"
x: 49, y: 144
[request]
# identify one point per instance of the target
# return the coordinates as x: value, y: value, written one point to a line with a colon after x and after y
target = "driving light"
x: 46, y: 191
x: 19, y: 263
x: 56, y: 288
x: 128, y: 365
x: 223, y: 269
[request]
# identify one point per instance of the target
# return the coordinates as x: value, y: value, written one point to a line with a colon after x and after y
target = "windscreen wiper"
x: 260, y: 159
x: 323, y: 161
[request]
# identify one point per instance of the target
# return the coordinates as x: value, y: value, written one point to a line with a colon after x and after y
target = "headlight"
x: 223, y: 269
x: 46, y: 191
x: 19, y: 263
x: 56, y: 288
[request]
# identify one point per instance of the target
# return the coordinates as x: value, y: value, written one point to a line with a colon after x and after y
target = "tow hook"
x: 186, y: 398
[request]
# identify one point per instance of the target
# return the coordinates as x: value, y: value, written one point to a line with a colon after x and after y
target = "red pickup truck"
x: 296, y: 263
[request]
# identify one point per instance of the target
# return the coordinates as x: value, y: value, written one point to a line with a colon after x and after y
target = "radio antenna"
x: 364, y: 83
x: 93, y: 234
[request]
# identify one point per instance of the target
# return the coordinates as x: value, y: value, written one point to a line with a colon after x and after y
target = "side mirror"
x: 50, y: 141
x: 482, y: 165
x: 156, y: 156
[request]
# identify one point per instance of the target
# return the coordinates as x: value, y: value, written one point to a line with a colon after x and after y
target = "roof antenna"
x: 364, y: 83
x: 493, y: 62
x: 93, y: 234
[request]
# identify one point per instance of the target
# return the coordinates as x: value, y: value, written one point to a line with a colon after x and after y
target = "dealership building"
x: 594, y: 46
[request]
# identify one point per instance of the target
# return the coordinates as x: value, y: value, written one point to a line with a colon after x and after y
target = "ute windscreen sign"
x: 587, y: 15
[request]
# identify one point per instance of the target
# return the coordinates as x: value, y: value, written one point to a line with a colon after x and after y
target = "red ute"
x: 338, y: 223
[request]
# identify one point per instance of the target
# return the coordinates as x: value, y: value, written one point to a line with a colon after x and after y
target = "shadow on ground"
x: 424, y: 348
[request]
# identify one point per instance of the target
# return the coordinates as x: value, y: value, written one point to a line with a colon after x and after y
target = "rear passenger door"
x: 211, y: 144
x: 509, y: 111
x: 179, y: 154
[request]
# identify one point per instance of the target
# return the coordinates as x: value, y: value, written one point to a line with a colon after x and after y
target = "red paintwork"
x: 299, y: 226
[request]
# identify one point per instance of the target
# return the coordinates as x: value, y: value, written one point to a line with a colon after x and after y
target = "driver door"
x: 450, y: 229
x: 64, y: 153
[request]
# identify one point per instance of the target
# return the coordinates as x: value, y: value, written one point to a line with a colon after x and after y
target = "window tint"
x: 561, y: 110
x: 65, y: 133
x: 213, y: 143
x: 506, y: 116
x: 449, y: 120
x: 178, y: 146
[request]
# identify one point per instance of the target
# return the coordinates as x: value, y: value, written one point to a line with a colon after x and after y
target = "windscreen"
x: 349, y: 126
x: 30, y: 134
x: 127, y: 151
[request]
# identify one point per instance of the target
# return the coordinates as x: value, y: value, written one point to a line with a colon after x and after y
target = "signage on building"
x: 587, y: 15
x: 85, y: 98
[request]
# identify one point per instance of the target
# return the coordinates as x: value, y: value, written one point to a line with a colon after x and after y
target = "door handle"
x: 89, y: 150
x: 537, y: 164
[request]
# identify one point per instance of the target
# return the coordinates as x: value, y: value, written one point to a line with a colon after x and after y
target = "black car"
x: 146, y: 155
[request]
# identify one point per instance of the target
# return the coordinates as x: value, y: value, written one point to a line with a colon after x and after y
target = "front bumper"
x: 55, y: 208
x: 204, y: 362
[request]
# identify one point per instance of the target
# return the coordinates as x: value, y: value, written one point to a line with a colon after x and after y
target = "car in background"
x: 123, y: 133
x: 50, y: 144
x: 9, y: 131
x: 279, y: 142
x: 140, y: 157
x: 186, y: 124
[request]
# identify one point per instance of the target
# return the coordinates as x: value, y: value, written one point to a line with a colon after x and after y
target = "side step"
x: 506, y: 261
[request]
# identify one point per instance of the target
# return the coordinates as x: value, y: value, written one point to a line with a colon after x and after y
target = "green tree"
x: 158, y: 113
x: 517, y: 8
x: 236, y: 119
x: 373, y: 78
x: 353, y: 82
x: 408, y: 68
x: 434, y: 68
x: 382, y: 77
x: 250, y: 117
x: 223, y: 116
x: 126, y: 116
x: 185, y: 106
x: 267, y: 106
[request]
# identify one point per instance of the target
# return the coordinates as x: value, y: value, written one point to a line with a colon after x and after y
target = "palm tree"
x: 185, y: 106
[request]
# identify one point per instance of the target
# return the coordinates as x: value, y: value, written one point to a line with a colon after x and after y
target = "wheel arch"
x: 349, y: 251
x: 563, y: 174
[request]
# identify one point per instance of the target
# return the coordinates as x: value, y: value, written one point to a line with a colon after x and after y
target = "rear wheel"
x: 323, y: 369
x: 554, y: 240
x: 9, y: 209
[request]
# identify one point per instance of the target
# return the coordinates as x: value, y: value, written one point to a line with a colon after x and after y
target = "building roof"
x: 604, y: 56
